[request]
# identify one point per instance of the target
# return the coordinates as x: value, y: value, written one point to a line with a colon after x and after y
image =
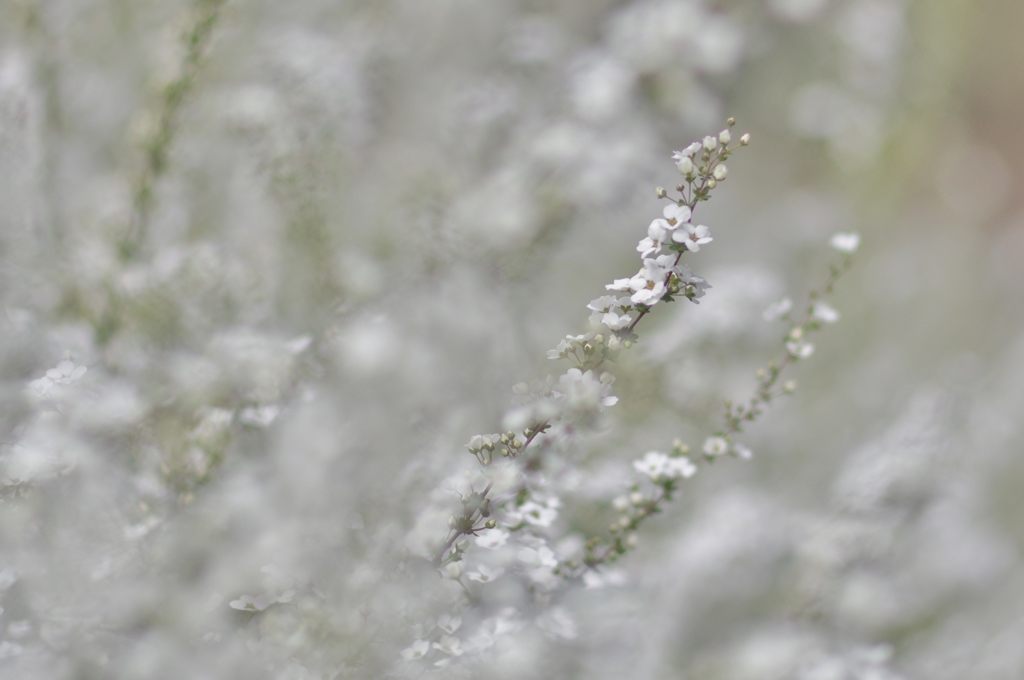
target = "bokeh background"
x: 304, y: 250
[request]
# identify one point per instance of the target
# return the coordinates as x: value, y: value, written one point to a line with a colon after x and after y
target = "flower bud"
x: 725, y: 136
x: 710, y: 143
x: 660, y: 191
x: 712, y: 183
x: 720, y: 172
x: 685, y: 166
x: 745, y: 139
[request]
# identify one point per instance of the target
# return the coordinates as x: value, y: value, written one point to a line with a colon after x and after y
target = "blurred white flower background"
x: 268, y: 266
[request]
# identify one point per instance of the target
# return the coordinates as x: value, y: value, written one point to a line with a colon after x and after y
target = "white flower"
x: 652, y: 464
x: 686, y: 167
x: 777, y: 310
x: 619, y: 284
x: 616, y: 321
x: 536, y: 514
x: 259, y: 416
x: 492, y: 539
x: 687, y: 152
x: 710, y: 143
x: 604, y: 303
x: 449, y: 624
x: 416, y: 650
x: 825, y: 313
x: 725, y: 137
x: 539, y: 557
x: 65, y: 372
x: 485, y: 575
x: 585, y: 392
x: 450, y: 645
x: 676, y: 214
x: 799, y: 349
x: 720, y: 172
x: 693, y: 237
x: 716, y: 446
x: 680, y: 467
x: 845, y: 242
x: 248, y: 603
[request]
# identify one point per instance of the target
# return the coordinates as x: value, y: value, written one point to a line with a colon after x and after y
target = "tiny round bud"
x: 506, y: 453
x: 660, y: 191
x: 745, y: 139
x: 761, y: 374
x: 627, y: 344
x: 712, y: 183
x: 796, y: 333
x: 490, y: 524
x: 725, y: 136
x: 504, y: 439
x: 720, y: 172
x: 730, y: 121
x: 789, y: 386
x: 516, y: 444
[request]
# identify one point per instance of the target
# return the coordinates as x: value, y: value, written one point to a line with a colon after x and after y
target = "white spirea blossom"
x: 845, y: 242
x: 716, y: 446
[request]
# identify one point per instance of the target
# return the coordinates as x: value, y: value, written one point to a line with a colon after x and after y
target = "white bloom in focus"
x: 619, y: 284
x: 616, y: 321
x: 485, y: 575
x: 693, y: 237
x: 710, y: 143
x: 845, y: 242
x: 716, y: 446
x: 686, y: 167
x: 725, y: 137
x: 687, y: 152
x: 777, y: 310
x: 605, y: 303
x: 825, y: 313
x: 492, y: 539
x: 416, y: 650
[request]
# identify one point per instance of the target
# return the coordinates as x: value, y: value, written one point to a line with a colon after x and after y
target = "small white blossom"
x: 492, y: 539
x: 686, y: 167
x: 710, y: 143
x: 825, y: 313
x: 449, y: 624
x: 687, y: 152
x: 652, y: 464
x: 693, y: 237
x: 716, y: 446
x: 845, y: 242
x: 725, y: 137
x: 450, y: 645
x: 777, y: 310
x: 720, y: 172
x: 416, y: 650
x: 248, y: 603
x: 616, y: 321
x: 799, y: 349
x: 485, y: 575
x: 680, y: 467
x: 619, y: 284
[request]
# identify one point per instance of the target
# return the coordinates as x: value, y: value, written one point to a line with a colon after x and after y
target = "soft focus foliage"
x: 267, y: 266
